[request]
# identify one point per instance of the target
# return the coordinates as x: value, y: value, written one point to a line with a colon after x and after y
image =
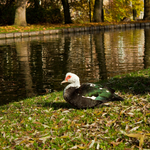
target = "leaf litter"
x: 33, y: 124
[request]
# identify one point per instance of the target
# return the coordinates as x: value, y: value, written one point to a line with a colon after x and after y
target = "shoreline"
x: 68, y: 30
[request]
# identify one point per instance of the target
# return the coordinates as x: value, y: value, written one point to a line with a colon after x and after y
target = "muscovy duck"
x: 86, y: 95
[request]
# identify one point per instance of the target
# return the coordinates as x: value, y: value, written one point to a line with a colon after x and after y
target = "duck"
x: 86, y: 95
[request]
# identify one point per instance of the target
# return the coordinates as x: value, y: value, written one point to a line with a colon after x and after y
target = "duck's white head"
x: 73, y: 79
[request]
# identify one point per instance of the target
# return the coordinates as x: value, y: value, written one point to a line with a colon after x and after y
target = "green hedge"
x: 34, y: 15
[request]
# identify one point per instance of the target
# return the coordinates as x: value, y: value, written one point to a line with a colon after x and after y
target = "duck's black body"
x: 88, y: 95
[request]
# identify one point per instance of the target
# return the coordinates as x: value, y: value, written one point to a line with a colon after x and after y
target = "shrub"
x: 7, y: 14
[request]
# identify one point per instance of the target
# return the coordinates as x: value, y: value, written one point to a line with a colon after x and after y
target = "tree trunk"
x: 146, y: 9
x: 36, y: 3
x: 66, y: 11
x: 98, y: 15
x: 20, y: 15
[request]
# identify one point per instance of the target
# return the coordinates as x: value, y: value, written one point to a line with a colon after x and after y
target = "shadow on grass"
x: 128, y: 84
x: 56, y: 105
x: 63, y: 105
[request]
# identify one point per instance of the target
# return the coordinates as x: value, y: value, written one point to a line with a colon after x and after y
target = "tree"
x: 9, y: 2
x: 98, y: 11
x: 66, y: 11
x: 20, y: 15
x: 118, y: 10
x: 146, y: 10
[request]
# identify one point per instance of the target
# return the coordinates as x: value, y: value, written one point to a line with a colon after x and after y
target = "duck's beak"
x: 65, y: 81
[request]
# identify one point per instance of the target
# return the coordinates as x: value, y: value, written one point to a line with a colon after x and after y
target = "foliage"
x: 47, y: 12
x: 48, y: 122
x: 43, y: 15
x: 51, y: 11
x: 7, y: 14
x: 120, y: 9
x: 80, y: 10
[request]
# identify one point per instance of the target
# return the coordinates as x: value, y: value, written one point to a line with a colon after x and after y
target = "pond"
x: 36, y: 65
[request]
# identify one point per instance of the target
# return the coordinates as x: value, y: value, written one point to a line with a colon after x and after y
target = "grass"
x: 40, y: 27
x: 48, y: 122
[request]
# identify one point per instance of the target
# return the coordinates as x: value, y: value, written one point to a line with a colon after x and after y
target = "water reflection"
x: 32, y: 67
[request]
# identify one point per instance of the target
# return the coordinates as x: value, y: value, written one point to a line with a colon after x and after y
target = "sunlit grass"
x: 48, y: 122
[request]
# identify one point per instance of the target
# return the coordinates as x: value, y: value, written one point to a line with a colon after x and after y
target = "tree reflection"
x: 25, y: 71
x: 147, y: 49
x: 100, y: 51
x: 38, y: 66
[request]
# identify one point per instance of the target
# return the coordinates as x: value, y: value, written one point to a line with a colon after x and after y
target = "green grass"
x: 41, y: 27
x: 48, y: 122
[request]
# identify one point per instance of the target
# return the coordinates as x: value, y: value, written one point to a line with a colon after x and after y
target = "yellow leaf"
x: 141, y: 141
x: 64, y: 136
x: 147, y: 114
x: 148, y: 134
x: 135, y: 135
x: 31, y: 141
x: 22, y: 121
x: 81, y: 147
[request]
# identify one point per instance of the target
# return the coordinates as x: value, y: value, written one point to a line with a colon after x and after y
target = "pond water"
x: 37, y: 65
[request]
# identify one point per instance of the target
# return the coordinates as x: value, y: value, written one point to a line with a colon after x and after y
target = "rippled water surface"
x: 37, y: 65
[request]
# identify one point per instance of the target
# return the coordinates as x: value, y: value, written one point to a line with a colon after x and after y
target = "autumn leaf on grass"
x: 115, y: 143
x: 109, y: 123
x: 139, y: 136
x: 77, y: 147
x: 43, y: 139
x: 23, y: 139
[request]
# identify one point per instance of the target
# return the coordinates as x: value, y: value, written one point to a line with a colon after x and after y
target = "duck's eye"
x: 68, y: 77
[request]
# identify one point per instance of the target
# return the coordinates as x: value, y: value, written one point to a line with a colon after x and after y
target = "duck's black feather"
x: 89, y: 95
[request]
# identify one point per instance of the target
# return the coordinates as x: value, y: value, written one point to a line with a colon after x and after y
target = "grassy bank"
x: 41, y: 27
x: 48, y: 122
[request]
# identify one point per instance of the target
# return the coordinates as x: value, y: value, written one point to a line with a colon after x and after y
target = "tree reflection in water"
x: 34, y: 67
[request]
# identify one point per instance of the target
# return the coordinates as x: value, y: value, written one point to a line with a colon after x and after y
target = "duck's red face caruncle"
x: 66, y: 79
x: 72, y: 78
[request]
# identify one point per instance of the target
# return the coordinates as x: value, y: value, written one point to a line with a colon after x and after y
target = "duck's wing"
x: 95, y: 92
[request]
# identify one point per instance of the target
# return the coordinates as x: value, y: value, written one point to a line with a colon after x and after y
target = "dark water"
x: 34, y: 66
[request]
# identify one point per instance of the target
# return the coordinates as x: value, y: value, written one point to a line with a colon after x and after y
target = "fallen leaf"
x: 115, y: 143
x: 43, y: 139
x: 135, y: 135
x: 109, y: 123
x: 64, y: 136
x: 141, y: 141
x: 134, y: 129
x: 92, y: 143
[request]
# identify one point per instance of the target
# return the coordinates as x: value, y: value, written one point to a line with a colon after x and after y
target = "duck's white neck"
x: 74, y: 84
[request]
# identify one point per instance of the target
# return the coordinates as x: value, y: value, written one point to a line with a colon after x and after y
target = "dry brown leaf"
x: 109, y: 123
x: 43, y: 139
x: 115, y: 143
